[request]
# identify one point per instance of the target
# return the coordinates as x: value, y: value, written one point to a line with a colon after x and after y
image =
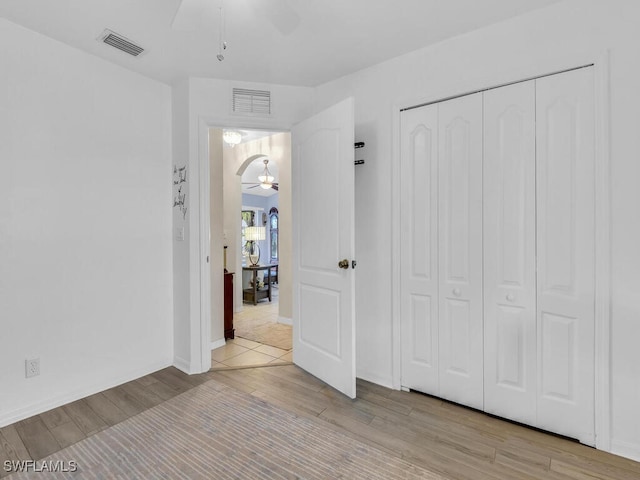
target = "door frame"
x: 201, y: 248
x: 602, y: 368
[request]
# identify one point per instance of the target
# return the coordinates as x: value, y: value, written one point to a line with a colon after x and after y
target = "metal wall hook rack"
x: 356, y: 146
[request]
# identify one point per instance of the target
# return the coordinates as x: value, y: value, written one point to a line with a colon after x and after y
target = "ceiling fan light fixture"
x: 266, y: 179
x: 231, y: 137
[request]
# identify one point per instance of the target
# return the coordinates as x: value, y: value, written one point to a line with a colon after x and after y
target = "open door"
x: 323, y: 246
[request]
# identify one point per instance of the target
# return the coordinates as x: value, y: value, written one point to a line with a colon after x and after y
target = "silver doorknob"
x: 343, y: 264
x: 457, y: 292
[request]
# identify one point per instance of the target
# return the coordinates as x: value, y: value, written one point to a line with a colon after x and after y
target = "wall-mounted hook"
x: 358, y: 145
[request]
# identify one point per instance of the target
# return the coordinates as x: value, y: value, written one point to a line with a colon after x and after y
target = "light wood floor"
x: 455, y: 441
x: 40, y: 436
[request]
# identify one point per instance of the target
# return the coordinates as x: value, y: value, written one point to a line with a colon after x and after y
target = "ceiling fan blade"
x: 274, y: 186
x: 284, y: 18
x: 194, y: 14
x: 254, y: 186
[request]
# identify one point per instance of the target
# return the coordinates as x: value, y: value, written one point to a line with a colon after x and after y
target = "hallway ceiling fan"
x: 265, y: 179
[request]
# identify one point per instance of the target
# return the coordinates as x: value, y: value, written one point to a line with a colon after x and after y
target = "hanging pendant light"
x: 266, y: 179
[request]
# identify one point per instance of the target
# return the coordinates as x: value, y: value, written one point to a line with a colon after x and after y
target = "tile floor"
x: 243, y: 353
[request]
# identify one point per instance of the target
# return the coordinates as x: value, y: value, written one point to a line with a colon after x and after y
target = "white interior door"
x: 460, y: 250
x: 323, y: 235
x: 419, y: 248
x: 566, y: 267
x: 510, y: 252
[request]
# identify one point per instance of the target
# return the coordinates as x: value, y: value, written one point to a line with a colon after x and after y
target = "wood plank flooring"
x: 49, y: 432
x: 455, y: 441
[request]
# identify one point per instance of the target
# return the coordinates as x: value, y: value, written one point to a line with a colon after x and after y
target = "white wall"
x: 182, y: 328
x: 216, y: 217
x: 572, y: 33
x: 85, y: 223
x: 232, y: 198
x: 209, y: 105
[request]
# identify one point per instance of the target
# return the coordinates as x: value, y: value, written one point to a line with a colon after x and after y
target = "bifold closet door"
x: 419, y: 252
x: 510, y: 252
x: 460, y: 250
x: 565, y: 243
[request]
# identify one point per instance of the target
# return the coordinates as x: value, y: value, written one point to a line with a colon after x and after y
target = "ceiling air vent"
x: 251, y: 101
x: 121, y: 43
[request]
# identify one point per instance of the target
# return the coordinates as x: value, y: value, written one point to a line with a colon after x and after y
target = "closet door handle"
x: 457, y: 292
x: 510, y: 297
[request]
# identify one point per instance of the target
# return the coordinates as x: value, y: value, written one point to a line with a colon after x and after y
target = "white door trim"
x: 602, y: 253
x: 396, y: 245
x: 204, y: 247
x: 602, y: 242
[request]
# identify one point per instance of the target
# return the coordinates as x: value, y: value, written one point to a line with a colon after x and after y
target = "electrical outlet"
x: 32, y: 367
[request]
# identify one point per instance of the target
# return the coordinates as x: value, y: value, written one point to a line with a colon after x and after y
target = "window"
x: 273, y: 234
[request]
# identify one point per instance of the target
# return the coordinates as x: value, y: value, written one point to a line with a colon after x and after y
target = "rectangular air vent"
x: 121, y: 43
x: 251, y: 101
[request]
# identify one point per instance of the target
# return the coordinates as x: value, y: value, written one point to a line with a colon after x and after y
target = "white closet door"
x: 565, y: 230
x: 419, y: 248
x: 460, y: 250
x: 510, y: 252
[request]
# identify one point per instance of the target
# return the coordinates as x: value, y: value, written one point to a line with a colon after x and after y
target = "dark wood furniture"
x: 253, y: 294
x: 228, y: 306
x: 274, y: 274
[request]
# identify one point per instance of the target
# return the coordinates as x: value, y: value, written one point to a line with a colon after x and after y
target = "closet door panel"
x: 509, y: 252
x: 460, y: 249
x: 565, y: 235
x: 419, y: 253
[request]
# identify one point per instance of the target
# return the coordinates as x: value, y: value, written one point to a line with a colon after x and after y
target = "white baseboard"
x: 626, y: 449
x: 7, y: 418
x: 191, y: 369
x: 182, y: 365
x: 285, y: 321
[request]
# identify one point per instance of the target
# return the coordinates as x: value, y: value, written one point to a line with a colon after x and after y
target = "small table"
x: 253, y: 294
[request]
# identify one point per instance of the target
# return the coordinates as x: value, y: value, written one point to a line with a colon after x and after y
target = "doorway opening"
x: 256, y: 218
